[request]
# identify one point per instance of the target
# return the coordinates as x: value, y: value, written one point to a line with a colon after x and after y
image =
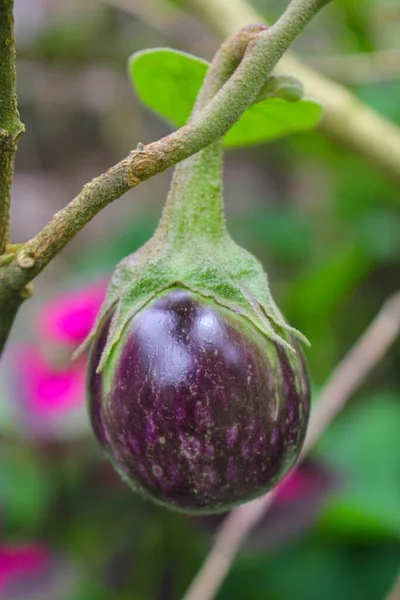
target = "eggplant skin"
x: 195, y: 407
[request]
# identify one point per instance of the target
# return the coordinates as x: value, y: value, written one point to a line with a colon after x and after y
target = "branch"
x: 234, y: 530
x: 346, y: 118
x: 10, y: 125
x: 209, y: 124
x: 9, y: 309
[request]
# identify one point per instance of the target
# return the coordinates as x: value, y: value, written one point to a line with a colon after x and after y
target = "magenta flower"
x: 49, y: 390
x: 21, y: 561
x: 297, y: 484
x: 69, y: 317
x: 49, y: 387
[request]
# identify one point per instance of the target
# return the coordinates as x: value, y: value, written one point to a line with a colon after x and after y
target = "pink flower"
x: 297, y: 484
x: 20, y: 561
x: 49, y: 386
x: 69, y: 318
x: 49, y: 390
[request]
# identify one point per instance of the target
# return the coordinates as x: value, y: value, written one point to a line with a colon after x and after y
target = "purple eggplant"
x: 195, y: 407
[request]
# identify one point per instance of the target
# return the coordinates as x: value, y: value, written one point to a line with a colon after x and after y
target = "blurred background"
x: 326, y: 226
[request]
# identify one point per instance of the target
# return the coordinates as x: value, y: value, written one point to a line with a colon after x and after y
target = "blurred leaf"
x: 314, y: 570
x: 283, y: 233
x: 363, y: 447
x: 358, y: 190
x: 73, y: 39
x: 25, y: 488
x: 168, y: 82
x: 102, y: 257
x: 93, y: 591
x: 378, y: 231
x: 384, y: 97
x: 319, y: 291
x: 359, y: 19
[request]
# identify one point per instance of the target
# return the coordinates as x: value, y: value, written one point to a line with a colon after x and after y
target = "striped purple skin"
x: 195, y: 407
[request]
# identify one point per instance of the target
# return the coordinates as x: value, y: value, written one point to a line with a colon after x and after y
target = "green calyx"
x: 192, y: 249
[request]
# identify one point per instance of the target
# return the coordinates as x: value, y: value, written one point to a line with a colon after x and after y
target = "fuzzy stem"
x: 10, y: 125
x: 224, y: 64
x: 195, y: 209
x: 210, y: 124
x: 195, y: 206
x: 345, y: 118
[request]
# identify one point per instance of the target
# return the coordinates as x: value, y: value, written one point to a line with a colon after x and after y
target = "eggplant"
x: 195, y: 407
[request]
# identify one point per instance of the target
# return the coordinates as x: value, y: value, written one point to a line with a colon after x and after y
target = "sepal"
x: 227, y: 273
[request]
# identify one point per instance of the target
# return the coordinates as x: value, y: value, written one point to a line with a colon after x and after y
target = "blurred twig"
x: 370, y: 67
x: 346, y: 118
x: 370, y: 348
x: 180, y: 27
x: 230, y: 537
x: 255, y: 64
x: 160, y: 15
x: 345, y: 379
x: 385, y: 14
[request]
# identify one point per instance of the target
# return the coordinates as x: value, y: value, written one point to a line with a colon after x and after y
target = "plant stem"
x: 8, y: 312
x: 195, y: 206
x: 10, y: 125
x: 207, y: 126
x: 346, y: 118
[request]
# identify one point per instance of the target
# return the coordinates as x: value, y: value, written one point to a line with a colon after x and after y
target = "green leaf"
x: 313, y: 569
x: 362, y: 446
x: 272, y: 119
x: 25, y: 488
x: 168, y: 82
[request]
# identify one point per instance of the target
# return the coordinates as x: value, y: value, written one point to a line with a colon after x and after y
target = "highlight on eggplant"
x: 195, y: 407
